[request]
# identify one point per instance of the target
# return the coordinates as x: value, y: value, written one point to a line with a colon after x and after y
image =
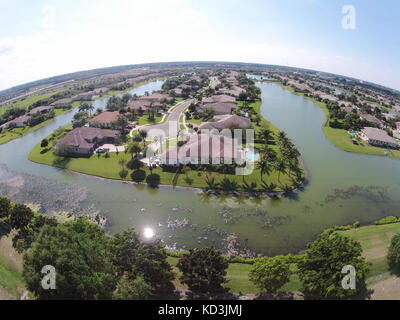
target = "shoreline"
x: 325, y: 126
x: 276, y: 194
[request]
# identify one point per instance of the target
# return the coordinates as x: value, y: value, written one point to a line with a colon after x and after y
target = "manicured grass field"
x: 375, y: 241
x: 109, y: 168
x: 238, y: 276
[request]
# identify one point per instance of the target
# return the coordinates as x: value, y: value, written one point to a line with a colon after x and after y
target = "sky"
x: 44, y: 38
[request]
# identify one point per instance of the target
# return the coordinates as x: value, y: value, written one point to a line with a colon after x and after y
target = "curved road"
x: 173, y: 120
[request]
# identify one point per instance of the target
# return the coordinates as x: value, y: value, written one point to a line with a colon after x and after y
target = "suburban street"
x: 173, y: 117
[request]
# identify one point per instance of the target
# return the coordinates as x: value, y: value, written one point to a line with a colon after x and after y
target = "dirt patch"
x: 390, y: 235
x: 8, y: 252
x: 375, y: 253
x: 387, y: 289
x: 375, y: 240
x: 4, y: 295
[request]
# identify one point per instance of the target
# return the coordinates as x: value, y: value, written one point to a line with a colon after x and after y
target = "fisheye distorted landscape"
x: 176, y: 150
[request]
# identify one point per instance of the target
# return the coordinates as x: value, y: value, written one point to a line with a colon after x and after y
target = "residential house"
x: 202, y: 148
x: 219, y: 107
x: 372, y: 119
x: 84, y: 140
x: 219, y: 98
x: 62, y: 102
x: 378, y: 137
x: 235, y: 91
x: 104, y: 119
x: 41, y: 109
x: 17, y: 122
x: 227, y: 121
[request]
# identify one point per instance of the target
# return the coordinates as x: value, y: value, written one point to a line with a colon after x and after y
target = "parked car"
x: 102, y: 150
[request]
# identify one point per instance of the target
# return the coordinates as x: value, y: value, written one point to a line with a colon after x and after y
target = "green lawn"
x: 15, y: 133
x: 238, y: 277
x: 375, y: 241
x: 109, y: 167
x: 342, y: 139
x: 25, y: 103
x: 11, y: 281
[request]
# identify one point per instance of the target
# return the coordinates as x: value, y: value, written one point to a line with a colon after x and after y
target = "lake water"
x: 342, y: 188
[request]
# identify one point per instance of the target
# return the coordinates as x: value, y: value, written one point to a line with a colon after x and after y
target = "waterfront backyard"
x: 341, y: 188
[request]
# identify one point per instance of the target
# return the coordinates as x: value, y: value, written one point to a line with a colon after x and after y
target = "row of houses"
x: 23, y: 120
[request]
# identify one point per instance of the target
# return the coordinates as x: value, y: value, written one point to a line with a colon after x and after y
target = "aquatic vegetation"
x: 373, y: 193
x: 52, y: 197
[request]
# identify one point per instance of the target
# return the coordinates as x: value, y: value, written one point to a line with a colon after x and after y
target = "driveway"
x: 173, y: 117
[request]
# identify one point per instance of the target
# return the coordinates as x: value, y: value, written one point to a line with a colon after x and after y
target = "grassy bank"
x: 375, y: 241
x: 108, y: 167
x: 341, y: 138
x: 11, y: 282
x: 15, y: 133
x: 238, y: 277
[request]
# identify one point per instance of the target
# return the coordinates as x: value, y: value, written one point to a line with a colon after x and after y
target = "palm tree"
x: 264, y: 168
x: 143, y: 134
x: 211, y: 183
x: 268, y: 187
x: 286, y: 190
x: 122, y: 162
x: 265, y: 135
x: 90, y: 108
x: 134, y: 149
x: 280, y: 166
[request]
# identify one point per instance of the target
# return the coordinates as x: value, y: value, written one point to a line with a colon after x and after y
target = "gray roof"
x: 378, y: 134
x: 220, y: 107
x: 84, y: 137
x: 224, y: 121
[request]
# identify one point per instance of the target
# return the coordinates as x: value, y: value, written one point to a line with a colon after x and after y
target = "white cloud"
x: 147, y: 31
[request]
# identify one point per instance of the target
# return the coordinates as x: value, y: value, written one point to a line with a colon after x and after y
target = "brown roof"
x: 61, y: 102
x: 106, y: 117
x: 235, y: 90
x: 224, y: 121
x: 378, y: 134
x: 21, y: 119
x: 84, y: 137
x: 219, y: 98
x: 204, y: 145
x: 220, y: 107
x: 156, y: 97
x: 370, y: 118
x: 40, y: 109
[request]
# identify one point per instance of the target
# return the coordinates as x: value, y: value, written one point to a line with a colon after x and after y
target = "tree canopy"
x: 204, y: 271
x: 80, y: 253
x: 321, y: 268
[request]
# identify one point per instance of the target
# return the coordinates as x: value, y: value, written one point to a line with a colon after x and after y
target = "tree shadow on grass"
x: 61, y: 162
x: 45, y: 150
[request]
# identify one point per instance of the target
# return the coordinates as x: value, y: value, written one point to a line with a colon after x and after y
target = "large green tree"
x: 321, y: 268
x: 20, y: 216
x: 136, y: 289
x: 5, y: 207
x: 393, y: 255
x: 80, y: 252
x: 204, y: 271
x: 270, y: 274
